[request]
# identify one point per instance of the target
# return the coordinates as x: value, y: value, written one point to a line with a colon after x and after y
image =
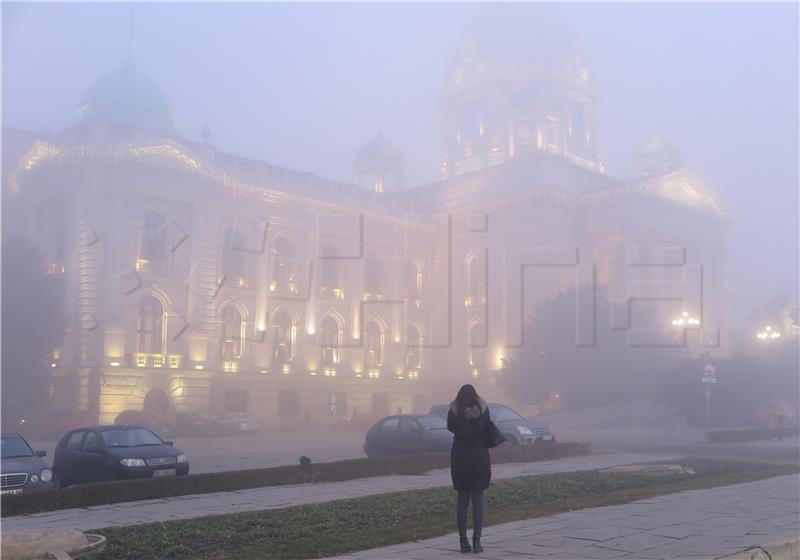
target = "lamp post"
x: 768, y: 334
x: 709, y: 378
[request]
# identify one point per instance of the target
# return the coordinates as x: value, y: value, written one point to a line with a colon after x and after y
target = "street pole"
x: 709, y: 373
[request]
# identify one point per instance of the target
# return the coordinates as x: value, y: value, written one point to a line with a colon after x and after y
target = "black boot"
x: 476, y: 544
x: 465, y: 545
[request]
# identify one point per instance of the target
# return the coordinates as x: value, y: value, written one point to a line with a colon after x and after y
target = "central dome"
x: 127, y: 96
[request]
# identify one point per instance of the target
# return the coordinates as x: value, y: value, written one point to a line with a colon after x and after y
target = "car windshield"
x: 432, y: 422
x: 130, y: 437
x: 504, y: 414
x: 15, y: 446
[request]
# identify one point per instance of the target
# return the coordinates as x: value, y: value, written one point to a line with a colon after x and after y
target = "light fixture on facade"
x: 52, y: 364
x: 198, y: 366
x: 114, y: 364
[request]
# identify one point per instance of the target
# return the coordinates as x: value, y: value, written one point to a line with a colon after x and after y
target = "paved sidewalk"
x: 256, y: 499
x: 698, y: 524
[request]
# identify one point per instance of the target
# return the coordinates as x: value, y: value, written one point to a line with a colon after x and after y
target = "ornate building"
x: 198, y: 280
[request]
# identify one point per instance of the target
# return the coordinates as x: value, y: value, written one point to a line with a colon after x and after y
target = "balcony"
x: 331, y: 293
x: 230, y: 366
x: 143, y: 360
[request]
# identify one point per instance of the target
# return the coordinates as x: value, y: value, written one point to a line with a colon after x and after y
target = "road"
x: 215, y: 454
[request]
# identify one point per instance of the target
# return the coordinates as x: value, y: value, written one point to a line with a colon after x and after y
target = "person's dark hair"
x: 467, y: 396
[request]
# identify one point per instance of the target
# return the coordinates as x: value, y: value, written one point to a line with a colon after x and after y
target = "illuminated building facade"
x: 198, y: 280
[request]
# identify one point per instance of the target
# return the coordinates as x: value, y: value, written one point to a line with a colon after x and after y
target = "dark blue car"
x: 104, y: 453
x: 22, y: 469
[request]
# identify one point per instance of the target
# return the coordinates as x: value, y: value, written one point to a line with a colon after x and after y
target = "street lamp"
x: 685, y: 320
x: 768, y: 334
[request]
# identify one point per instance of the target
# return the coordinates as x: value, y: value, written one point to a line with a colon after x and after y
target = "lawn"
x: 330, y: 528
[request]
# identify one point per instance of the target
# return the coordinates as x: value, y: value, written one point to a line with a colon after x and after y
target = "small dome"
x: 654, y: 145
x: 379, y: 149
x: 127, y: 96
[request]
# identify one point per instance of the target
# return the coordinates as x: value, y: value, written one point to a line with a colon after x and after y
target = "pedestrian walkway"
x: 272, y: 497
x: 711, y: 523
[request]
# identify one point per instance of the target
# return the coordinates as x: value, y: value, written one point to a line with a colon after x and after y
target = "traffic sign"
x: 709, y: 370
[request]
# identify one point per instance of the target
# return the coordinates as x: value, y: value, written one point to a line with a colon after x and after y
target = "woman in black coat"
x: 470, y: 464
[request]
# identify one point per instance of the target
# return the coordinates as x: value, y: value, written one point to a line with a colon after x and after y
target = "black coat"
x: 470, y: 464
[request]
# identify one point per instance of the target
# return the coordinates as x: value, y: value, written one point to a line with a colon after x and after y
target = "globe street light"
x: 685, y: 321
x: 768, y: 334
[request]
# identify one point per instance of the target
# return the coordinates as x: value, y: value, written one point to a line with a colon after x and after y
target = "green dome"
x: 655, y: 145
x: 127, y: 96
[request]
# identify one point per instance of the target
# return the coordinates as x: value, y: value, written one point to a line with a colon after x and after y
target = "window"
x: 152, y: 242
x: 233, y: 258
x: 577, y: 121
x: 236, y: 401
x: 413, y: 283
x: 336, y: 404
x: 288, y: 403
x: 74, y: 441
x: 413, y: 347
x: 231, y: 335
x: 552, y: 134
x: 407, y: 424
x: 283, y: 336
x: 282, y: 269
x: 330, y: 334
x: 391, y: 424
x: 90, y: 441
x: 150, y: 330
x: 475, y: 281
x: 475, y: 343
x: 373, y: 345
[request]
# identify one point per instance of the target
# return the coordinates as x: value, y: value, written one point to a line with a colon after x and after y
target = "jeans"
x: 464, y: 497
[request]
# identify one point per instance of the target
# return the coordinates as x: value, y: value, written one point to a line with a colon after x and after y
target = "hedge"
x: 155, y: 488
x: 749, y: 434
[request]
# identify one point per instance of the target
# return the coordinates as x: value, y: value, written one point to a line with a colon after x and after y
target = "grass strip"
x: 326, y: 529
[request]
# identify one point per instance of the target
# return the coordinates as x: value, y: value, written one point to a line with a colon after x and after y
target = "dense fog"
x: 310, y: 217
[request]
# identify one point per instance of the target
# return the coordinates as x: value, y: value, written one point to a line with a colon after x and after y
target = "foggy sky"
x: 304, y: 86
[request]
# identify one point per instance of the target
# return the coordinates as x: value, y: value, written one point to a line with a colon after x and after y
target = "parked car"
x: 407, y: 434
x: 22, y: 469
x: 160, y: 424
x: 234, y: 423
x: 115, y: 452
x: 193, y: 424
x: 518, y: 430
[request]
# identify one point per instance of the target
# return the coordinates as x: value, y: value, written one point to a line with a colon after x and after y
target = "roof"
x: 128, y: 96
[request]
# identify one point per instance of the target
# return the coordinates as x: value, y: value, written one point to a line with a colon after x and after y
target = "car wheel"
x: 510, y: 441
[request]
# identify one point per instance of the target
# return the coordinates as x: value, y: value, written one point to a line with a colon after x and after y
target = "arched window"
x: 329, y: 270
x: 231, y: 335
x: 413, y: 282
x: 373, y: 345
x: 152, y: 242
x: 232, y: 256
x: 282, y: 270
x: 413, y: 347
x: 372, y: 276
x: 474, y: 280
x: 150, y: 329
x: 475, y: 343
x: 330, y: 335
x: 283, y: 337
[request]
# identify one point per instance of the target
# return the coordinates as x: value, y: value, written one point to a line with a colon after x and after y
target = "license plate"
x: 163, y: 472
x: 547, y: 438
x: 11, y: 491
